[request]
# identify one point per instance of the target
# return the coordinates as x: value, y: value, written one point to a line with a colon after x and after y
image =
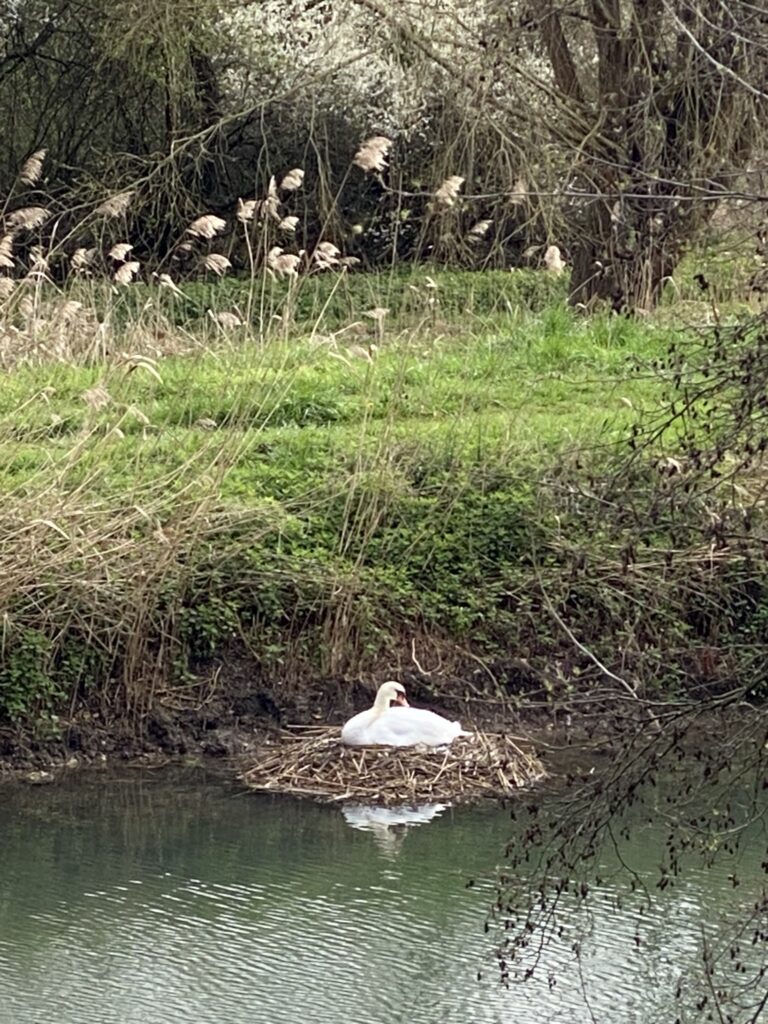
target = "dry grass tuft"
x: 315, y: 763
x: 97, y: 397
x: 372, y: 155
x: 228, y: 321
x: 207, y: 226
x: 7, y: 288
x: 448, y: 192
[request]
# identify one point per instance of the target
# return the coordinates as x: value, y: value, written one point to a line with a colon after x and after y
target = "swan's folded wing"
x: 407, y: 727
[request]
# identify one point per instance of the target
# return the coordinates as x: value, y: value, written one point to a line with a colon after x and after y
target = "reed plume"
x: 32, y: 168
x: 372, y: 154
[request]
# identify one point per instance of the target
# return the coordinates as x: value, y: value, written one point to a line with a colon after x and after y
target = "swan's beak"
x: 401, y: 699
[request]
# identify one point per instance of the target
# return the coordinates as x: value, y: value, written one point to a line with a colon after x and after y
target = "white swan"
x: 384, y: 725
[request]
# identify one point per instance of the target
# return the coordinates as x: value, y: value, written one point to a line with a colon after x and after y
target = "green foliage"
x: 29, y: 685
x: 334, y: 301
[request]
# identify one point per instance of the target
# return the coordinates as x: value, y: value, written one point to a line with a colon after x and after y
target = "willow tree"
x: 632, y: 119
x: 658, y: 99
x: 96, y: 83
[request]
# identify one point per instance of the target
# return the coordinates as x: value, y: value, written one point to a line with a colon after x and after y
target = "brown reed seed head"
x: 207, y: 226
x: 553, y: 260
x: 216, y: 263
x: 81, y: 259
x: 449, y: 190
x: 372, y: 154
x: 6, y: 252
x: 293, y: 180
x: 245, y: 210
x: 126, y: 273
x: 32, y: 168
x: 479, y: 230
x: 115, y: 206
x: 119, y: 251
x: 26, y: 218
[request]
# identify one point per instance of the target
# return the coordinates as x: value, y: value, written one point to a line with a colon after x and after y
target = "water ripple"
x: 176, y: 903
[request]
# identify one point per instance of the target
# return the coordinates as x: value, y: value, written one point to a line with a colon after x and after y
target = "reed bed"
x: 315, y: 763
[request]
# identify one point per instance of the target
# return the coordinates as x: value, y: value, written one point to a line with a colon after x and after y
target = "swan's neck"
x: 381, y: 704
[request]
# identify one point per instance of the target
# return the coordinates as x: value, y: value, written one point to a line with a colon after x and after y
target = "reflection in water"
x: 389, y: 824
x: 164, y: 899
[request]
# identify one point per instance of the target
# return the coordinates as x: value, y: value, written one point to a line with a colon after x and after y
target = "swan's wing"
x: 353, y: 732
x: 407, y: 727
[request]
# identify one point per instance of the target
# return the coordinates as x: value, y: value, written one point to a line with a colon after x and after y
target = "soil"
x: 242, y: 712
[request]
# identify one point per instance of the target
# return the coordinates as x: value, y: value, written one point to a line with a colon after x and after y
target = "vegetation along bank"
x: 484, y: 493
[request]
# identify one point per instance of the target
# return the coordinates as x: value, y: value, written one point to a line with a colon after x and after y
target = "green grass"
x: 527, y: 383
x: 323, y: 499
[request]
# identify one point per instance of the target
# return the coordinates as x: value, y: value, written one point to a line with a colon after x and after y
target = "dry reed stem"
x: 314, y: 762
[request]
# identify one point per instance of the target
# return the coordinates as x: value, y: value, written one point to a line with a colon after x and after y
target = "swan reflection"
x: 389, y: 824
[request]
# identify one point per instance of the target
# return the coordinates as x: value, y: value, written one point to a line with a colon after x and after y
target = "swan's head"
x: 390, y: 693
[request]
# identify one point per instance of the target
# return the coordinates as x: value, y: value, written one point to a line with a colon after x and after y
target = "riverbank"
x: 209, y: 531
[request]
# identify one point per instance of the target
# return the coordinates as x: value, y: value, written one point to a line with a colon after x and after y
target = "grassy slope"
x: 321, y: 499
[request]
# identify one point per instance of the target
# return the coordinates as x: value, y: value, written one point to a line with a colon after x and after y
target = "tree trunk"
x: 625, y: 264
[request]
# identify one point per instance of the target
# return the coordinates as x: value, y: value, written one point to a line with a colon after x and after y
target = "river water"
x: 173, y: 897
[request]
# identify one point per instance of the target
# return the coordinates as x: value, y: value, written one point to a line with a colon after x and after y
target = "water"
x: 175, y: 898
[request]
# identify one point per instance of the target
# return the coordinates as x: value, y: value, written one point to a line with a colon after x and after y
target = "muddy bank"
x: 236, y: 717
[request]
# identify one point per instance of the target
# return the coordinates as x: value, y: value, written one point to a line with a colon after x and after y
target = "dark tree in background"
x: 662, y: 116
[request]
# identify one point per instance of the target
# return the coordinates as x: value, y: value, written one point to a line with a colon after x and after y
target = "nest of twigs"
x: 315, y: 763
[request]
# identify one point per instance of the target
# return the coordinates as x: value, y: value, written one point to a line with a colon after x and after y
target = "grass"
x: 323, y: 497
x: 532, y: 381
